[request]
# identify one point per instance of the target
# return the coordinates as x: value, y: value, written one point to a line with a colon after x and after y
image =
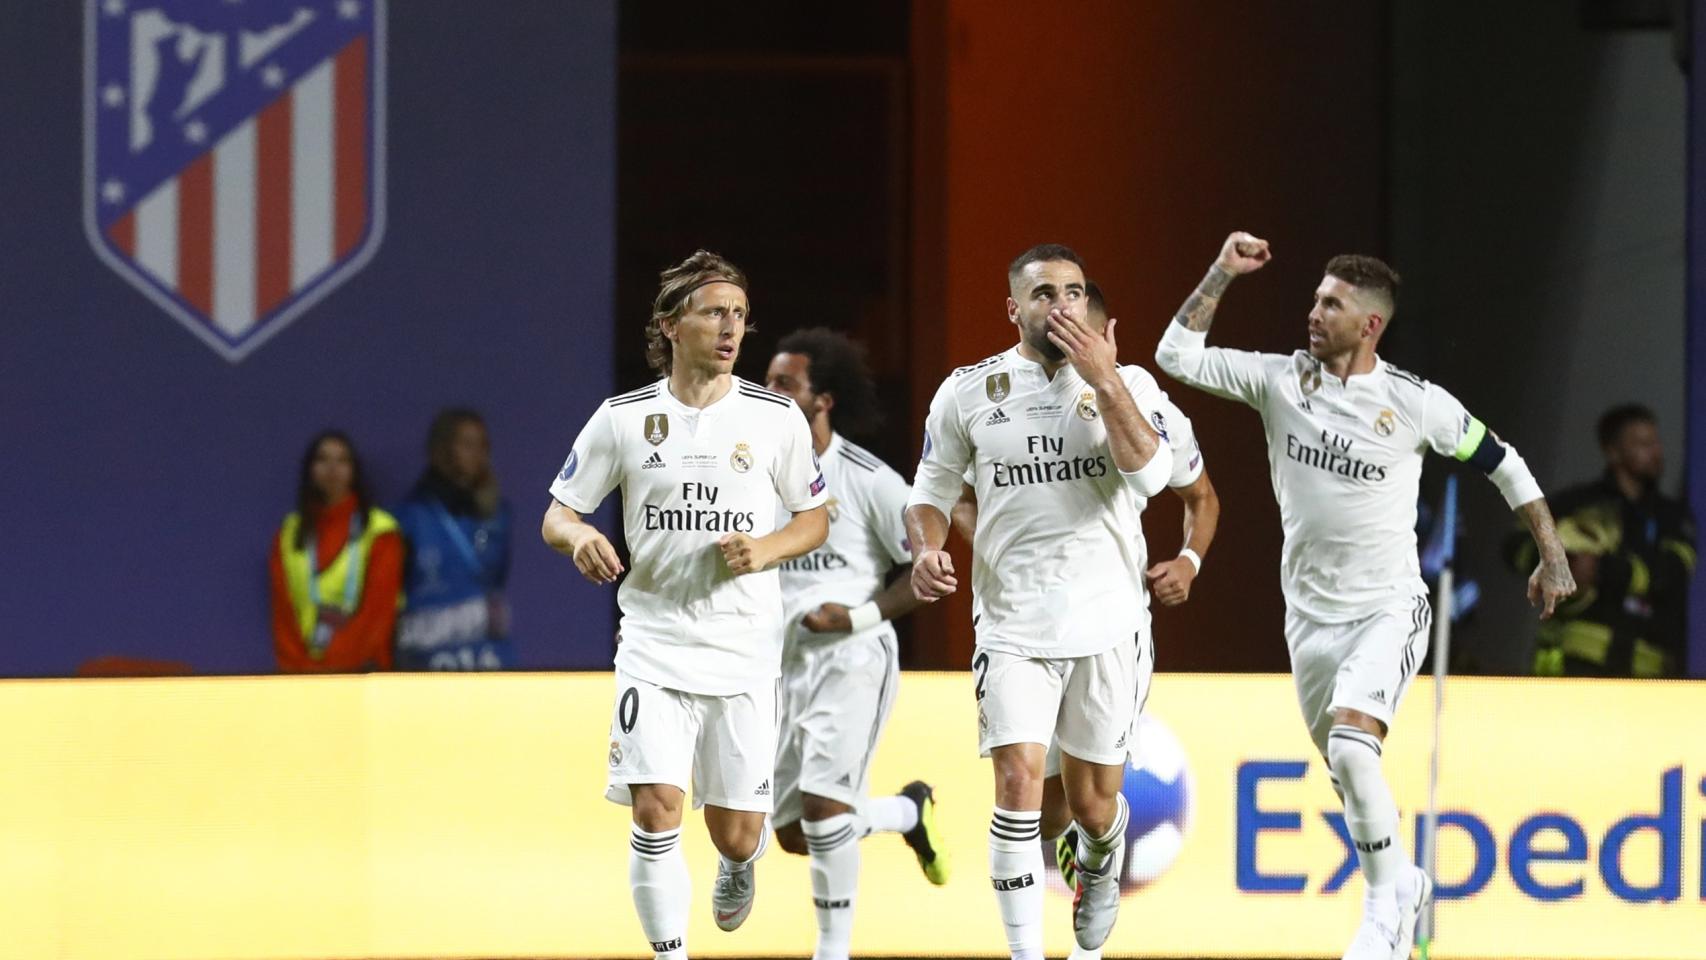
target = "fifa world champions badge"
x: 234, y: 155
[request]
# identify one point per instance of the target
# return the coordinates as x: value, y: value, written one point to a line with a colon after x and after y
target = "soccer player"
x: 1063, y: 454
x: 702, y: 457
x: 841, y: 660
x: 1169, y: 583
x: 1346, y: 431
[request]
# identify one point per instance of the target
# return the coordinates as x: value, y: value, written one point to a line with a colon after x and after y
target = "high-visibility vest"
x: 330, y: 581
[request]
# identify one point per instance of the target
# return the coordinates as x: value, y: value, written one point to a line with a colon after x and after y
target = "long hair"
x: 676, y: 288
x: 308, y: 502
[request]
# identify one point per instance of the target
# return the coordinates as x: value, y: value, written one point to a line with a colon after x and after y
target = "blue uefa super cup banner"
x: 231, y: 224
x: 235, y: 166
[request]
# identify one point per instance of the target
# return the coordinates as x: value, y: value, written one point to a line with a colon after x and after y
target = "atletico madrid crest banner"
x: 234, y: 155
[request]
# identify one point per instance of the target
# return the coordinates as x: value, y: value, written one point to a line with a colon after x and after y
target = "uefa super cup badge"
x: 1385, y: 423
x: 1087, y: 406
x: 741, y: 459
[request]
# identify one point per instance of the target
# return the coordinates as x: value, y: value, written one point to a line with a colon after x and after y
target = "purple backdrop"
x: 144, y: 474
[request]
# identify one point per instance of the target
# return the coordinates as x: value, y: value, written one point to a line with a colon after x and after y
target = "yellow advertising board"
x: 431, y: 816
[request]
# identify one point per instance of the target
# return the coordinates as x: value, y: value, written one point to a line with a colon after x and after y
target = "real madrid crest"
x: 741, y: 459
x: 997, y: 386
x: 1385, y: 423
x: 1087, y: 406
x: 615, y: 753
x: 1309, y: 379
x: 657, y: 428
x: 834, y: 507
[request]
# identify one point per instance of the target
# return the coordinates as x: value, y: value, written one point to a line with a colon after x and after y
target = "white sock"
x: 1016, y: 871
x: 657, y: 874
x: 1370, y: 813
x: 889, y: 815
x: 1079, y: 953
x: 1093, y: 852
x: 834, y: 848
x: 763, y: 845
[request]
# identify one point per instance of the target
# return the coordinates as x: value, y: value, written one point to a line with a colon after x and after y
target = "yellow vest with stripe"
x: 331, y: 580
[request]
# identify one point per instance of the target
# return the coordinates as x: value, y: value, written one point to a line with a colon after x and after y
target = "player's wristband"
x: 1191, y: 555
x: 865, y: 616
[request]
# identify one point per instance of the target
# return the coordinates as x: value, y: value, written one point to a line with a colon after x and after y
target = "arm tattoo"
x: 1538, y: 516
x: 1198, y: 311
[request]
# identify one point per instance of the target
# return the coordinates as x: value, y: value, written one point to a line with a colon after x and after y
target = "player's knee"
x: 737, y: 839
x: 657, y: 809
x: 1354, y: 756
x: 822, y: 808
x: 1017, y: 786
x: 791, y: 839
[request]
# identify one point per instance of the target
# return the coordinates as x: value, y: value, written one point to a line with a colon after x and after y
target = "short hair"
x: 1042, y: 253
x: 1368, y: 274
x: 1093, y: 298
x: 1613, y: 422
x: 838, y: 367
x: 678, y: 284
x: 443, y: 429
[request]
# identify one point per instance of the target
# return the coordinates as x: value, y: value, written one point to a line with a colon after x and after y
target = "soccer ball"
x: 1158, y: 791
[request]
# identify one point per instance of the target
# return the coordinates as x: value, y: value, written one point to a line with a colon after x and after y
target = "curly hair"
x: 677, y: 288
x: 838, y: 368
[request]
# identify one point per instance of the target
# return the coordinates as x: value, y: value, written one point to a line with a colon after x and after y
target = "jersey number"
x: 980, y: 666
x: 628, y: 709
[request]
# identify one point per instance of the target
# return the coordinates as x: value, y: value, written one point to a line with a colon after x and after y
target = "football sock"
x: 1016, y: 871
x: 834, y: 848
x: 1370, y: 813
x: 657, y: 874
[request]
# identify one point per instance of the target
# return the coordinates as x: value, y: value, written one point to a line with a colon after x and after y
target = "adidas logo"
x: 1379, y: 696
x: 846, y: 780
x: 763, y: 789
x: 653, y: 462
x: 996, y: 418
x: 1121, y: 743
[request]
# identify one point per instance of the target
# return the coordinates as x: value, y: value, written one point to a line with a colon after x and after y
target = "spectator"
x: 1631, y: 549
x: 457, y: 528
x: 336, y: 568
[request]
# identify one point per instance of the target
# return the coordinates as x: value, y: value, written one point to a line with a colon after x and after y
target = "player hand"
x: 1243, y: 253
x: 829, y: 618
x: 743, y: 554
x: 1170, y: 582
x: 1091, y: 352
x: 596, y: 559
x: 933, y: 576
x: 1550, y: 584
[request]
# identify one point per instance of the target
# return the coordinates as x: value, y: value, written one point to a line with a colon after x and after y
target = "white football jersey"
x: 1345, y: 458
x: 690, y: 476
x: 1058, y: 555
x: 867, y: 539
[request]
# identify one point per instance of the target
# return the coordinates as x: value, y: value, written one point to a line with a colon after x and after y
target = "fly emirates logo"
x: 1048, y: 464
x: 1334, y: 456
x: 699, y: 513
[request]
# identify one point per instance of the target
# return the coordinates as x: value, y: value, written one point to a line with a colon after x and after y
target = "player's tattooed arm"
x: 566, y: 533
x: 1241, y: 253
x: 1551, y: 581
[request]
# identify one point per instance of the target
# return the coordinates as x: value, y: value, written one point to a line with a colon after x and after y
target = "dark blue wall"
x: 142, y: 475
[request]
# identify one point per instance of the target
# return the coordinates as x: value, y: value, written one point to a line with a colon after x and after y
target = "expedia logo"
x: 657, y: 428
x: 997, y: 386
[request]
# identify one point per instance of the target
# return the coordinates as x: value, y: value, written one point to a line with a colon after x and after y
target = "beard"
x: 1045, y: 347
